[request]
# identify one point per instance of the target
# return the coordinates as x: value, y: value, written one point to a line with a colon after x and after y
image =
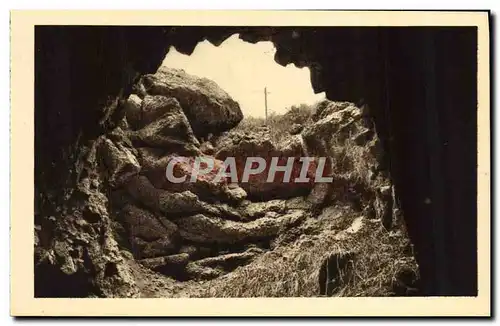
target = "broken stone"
x: 163, y: 264
x: 120, y: 163
x: 271, y: 215
x: 329, y: 213
x: 141, y: 189
x: 196, y: 252
x: 229, y: 262
x: 258, y: 209
x: 153, y: 108
x: 197, y: 272
x: 208, y: 229
x: 180, y: 202
x: 326, y: 107
x: 320, y: 194
x: 133, y: 110
x: 190, y: 250
x: 297, y: 203
x: 227, y: 212
x: 173, y: 204
x: 236, y: 193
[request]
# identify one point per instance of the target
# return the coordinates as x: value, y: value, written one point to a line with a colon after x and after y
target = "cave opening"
x: 249, y: 74
x: 419, y: 82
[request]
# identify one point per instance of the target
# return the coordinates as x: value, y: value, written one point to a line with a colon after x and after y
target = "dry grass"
x: 353, y: 168
x: 350, y: 159
x: 279, y: 124
x: 292, y: 270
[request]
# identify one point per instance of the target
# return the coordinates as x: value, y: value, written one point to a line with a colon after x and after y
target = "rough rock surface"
x: 161, y: 123
x: 342, y: 132
x: 242, y: 147
x: 172, y: 204
x: 166, y: 262
x: 142, y: 223
x: 208, y: 108
x: 165, y: 245
x: 83, y: 255
x: 197, y: 272
x: 229, y: 262
x: 259, y: 209
x: 205, y: 185
x: 337, y: 121
x: 211, y: 227
x: 119, y: 161
x: 150, y: 235
x: 205, y: 229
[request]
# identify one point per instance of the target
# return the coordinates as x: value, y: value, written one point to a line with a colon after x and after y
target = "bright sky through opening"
x: 243, y: 70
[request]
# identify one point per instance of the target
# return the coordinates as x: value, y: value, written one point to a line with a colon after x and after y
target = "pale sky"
x: 243, y: 70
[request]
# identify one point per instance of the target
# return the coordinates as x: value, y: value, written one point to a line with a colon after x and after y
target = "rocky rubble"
x: 188, y: 221
x: 205, y: 229
x: 167, y: 226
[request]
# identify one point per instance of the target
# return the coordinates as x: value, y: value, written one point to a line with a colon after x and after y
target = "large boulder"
x: 208, y: 107
x: 159, y: 122
x: 149, y: 109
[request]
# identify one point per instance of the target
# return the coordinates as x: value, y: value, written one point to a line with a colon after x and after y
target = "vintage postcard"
x: 250, y: 163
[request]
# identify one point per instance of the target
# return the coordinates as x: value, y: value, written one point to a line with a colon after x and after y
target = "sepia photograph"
x: 254, y: 157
